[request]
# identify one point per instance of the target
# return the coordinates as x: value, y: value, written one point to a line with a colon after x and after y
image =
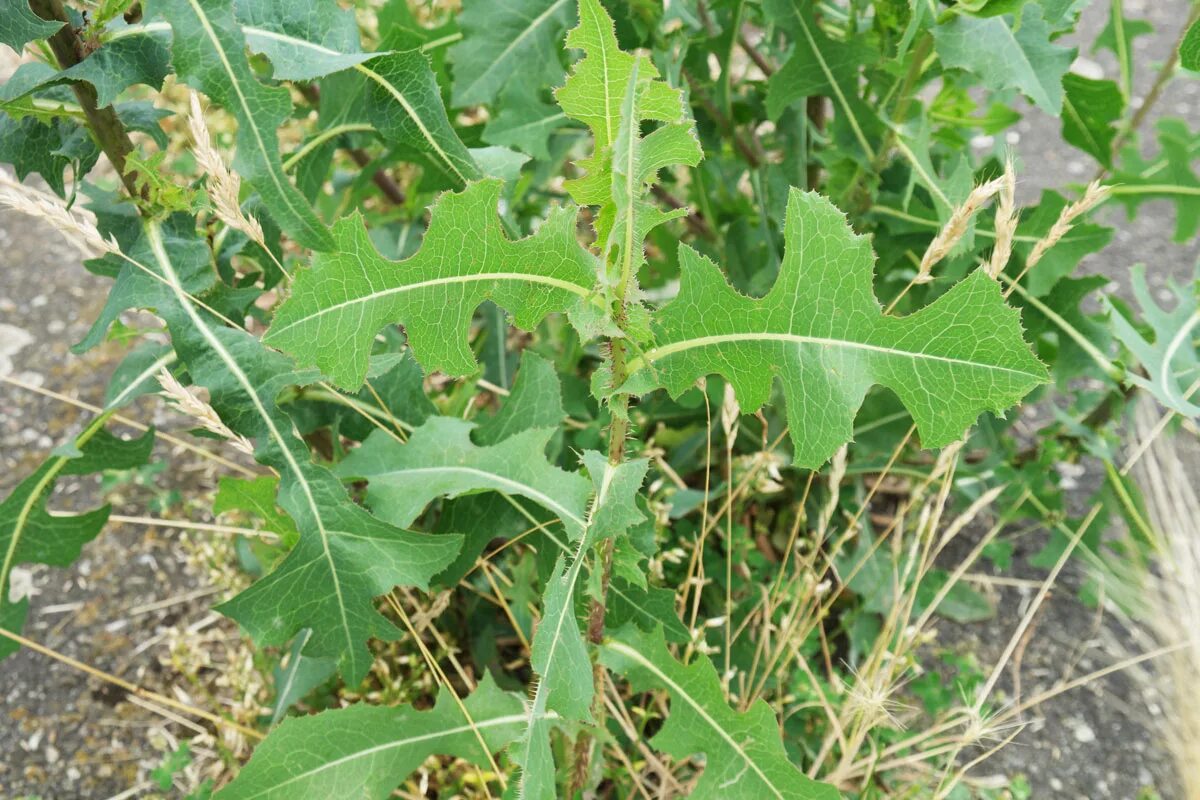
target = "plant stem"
x: 105, y: 125
x: 1160, y: 83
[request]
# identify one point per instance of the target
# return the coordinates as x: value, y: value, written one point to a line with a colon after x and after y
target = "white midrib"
x: 412, y: 113
x: 478, y: 277
x: 537, y: 709
x: 1177, y: 342
x: 680, y: 692
x: 517, y: 486
x: 164, y: 262
x: 60, y: 462
x: 535, y: 23
x: 237, y: 88
x: 659, y: 353
x: 305, y: 44
x: 380, y: 748
x: 858, y: 131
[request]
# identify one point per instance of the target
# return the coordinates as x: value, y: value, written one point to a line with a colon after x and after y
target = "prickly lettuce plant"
x: 318, y: 319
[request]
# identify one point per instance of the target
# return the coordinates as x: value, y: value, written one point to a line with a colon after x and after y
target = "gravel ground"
x: 65, y: 735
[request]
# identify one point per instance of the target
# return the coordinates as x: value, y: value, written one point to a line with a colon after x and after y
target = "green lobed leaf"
x: 305, y: 41
x: 743, y: 752
x: 1167, y: 176
x: 1006, y: 53
x: 29, y: 533
x: 1170, y: 358
x: 820, y: 66
x: 366, y: 751
x: 440, y: 460
x: 525, y: 122
x: 337, y: 306
x: 502, y: 40
x: 558, y: 654
x: 821, y: 331
x: 48, y: 149
x: 111, y: 69
x: 208, y: 52
x: 345, y: 557
x: 19, y: 25
x: 1091, y: 110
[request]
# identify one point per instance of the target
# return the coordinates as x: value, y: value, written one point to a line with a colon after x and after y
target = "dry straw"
x: 1006, y: 221
x: 1094, y: 195
x: 224, y: 187
x: 199, y: 410
x: 956, y: 227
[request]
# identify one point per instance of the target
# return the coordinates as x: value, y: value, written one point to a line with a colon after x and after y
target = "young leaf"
x: 19, y: 25
x: 1005, y: 53
x: 337, y: 306
x: 256, y: 496
x: 345, y: 557
x: 821, y: 331
x: 209, y: 53
x: 627, y: 216
x: 440, y: 460
x: 596, y: 91
x: 29, y: 533
x: 743, y: 753
x: 1171, y: 359
x: 365, y: 751
x: 500, y: 40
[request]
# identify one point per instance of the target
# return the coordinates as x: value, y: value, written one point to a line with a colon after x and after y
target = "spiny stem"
x: 104, y: 123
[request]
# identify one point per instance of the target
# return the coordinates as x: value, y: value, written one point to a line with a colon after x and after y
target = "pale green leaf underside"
x: 821, y: 331
x: 441, y: 460
x: 1171, y: 360
x: 338, y: 305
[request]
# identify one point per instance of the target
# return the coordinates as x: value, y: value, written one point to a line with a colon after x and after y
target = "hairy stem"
x: 105, y: 125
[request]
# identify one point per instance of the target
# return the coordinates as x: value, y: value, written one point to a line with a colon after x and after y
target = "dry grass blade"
x: 1173, y: 596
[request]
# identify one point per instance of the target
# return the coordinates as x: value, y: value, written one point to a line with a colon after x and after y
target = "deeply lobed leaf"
x: 340, y: 303
x: 821, y: 331
x: 743, y: 753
